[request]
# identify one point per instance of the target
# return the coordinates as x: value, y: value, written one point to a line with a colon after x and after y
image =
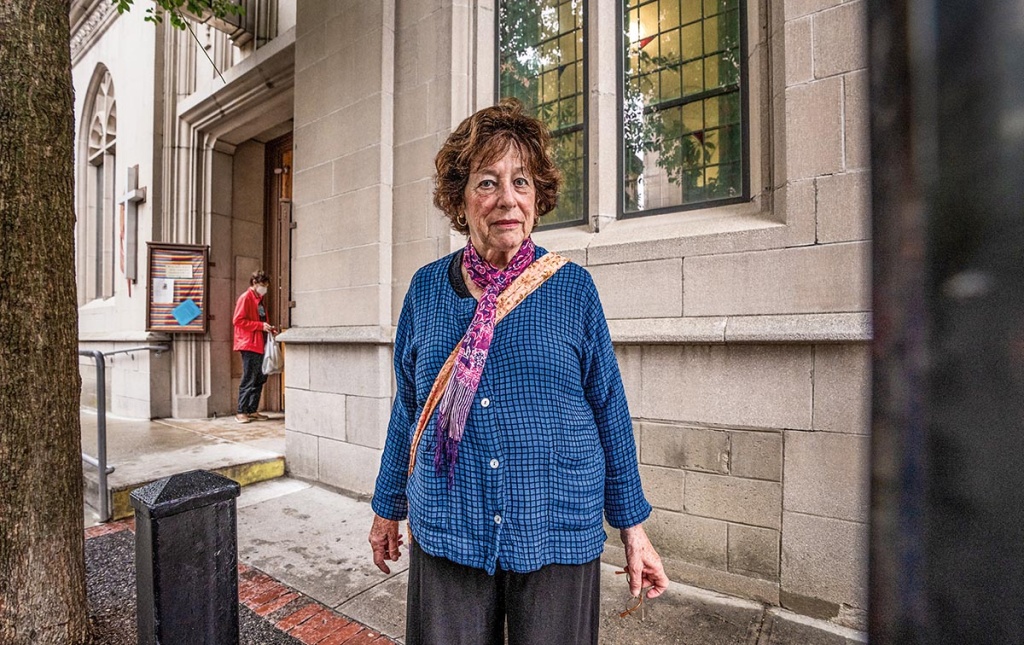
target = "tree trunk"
x: 42, y: 574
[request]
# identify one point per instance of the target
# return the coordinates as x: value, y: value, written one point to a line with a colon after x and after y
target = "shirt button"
x: 494, y: 463
x: 497, y: 519
x: 485, y: 402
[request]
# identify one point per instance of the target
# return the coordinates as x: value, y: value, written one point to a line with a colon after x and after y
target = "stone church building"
x: 716, y: 160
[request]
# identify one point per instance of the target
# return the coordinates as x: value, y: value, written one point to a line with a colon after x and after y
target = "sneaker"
x: 256, y: 416
x: 242, y: 418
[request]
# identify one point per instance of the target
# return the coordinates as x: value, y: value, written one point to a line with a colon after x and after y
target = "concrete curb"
x: 244, y: 474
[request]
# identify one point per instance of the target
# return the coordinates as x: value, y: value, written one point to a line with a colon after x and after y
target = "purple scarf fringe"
x: 453, y: 410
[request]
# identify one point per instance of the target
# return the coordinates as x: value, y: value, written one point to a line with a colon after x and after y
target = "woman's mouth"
x: 507, y: 223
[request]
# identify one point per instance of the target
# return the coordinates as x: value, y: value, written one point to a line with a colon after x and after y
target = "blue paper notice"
x: 186, y: 312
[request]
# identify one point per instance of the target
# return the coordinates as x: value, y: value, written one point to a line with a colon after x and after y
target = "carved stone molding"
x: 97, y: 17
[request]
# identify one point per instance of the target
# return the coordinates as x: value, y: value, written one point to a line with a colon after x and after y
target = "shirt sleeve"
x: 241, y: 319
x: 625, y: 504
x: 389, y: 500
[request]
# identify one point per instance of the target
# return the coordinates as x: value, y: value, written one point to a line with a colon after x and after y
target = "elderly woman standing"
x: 523, y: 434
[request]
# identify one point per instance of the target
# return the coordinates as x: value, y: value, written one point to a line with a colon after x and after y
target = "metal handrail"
x: 100, y: 461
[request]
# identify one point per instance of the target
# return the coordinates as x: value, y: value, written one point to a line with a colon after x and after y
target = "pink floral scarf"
x: 469, y: 364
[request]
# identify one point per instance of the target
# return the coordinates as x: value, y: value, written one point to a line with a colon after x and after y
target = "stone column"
x: 338, y: 384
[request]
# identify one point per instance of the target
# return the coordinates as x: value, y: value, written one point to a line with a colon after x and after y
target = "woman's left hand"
x: 643, y: 563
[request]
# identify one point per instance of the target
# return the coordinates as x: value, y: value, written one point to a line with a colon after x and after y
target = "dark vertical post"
x: 186, y: 560
x: 947, y: 126
x: 101, y: 434
x: 100, y: 461
x: 896, y: 604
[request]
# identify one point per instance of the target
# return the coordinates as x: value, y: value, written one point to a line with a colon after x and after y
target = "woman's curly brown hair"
x: 485, y: 137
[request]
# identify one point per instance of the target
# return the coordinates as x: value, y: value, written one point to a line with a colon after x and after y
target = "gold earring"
x: 460, y: 219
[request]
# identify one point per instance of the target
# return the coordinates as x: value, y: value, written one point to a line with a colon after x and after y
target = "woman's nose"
x: 506, y: 195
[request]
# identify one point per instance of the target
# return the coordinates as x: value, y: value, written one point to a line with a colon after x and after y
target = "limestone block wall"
x: 755, y: 457
x: 343, y: 163
x: 336, y: 413
x: 424, y: 51
x: 379, y: 86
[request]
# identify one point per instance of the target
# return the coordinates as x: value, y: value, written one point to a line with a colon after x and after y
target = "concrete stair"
x: 144, y: 451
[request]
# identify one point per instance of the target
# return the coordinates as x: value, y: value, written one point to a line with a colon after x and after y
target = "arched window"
x: 97, y: 172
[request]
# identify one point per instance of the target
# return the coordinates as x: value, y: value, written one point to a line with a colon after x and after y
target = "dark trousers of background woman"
x: 251, y: 387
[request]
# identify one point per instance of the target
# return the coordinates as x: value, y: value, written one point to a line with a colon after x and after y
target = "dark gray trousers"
x: 251, y: 386
x: 452, y: 604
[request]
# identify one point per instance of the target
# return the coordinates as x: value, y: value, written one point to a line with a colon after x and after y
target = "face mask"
x: 261, y: 290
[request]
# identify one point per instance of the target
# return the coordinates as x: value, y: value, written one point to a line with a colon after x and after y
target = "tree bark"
x: 42, y: 571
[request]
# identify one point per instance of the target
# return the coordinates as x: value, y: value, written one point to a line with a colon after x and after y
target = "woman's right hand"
x: 385, y: 539
x: 268, y: 327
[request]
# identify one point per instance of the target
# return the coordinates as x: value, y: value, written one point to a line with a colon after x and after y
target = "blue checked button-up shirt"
x: 548, y: 444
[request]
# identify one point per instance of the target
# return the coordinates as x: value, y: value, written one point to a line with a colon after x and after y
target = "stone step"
x: 119, y: 494
x: 142, y: 451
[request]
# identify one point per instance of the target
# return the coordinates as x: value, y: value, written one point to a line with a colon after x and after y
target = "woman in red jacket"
x: 250, y: 323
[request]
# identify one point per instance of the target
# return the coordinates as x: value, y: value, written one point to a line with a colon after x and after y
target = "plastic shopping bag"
x: 273, y: 360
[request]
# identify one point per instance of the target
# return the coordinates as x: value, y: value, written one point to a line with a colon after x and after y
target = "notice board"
x: 178, y: 288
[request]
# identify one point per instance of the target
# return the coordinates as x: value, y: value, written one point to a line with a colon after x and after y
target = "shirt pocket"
x: 577, y: 472
x: 426, y: 490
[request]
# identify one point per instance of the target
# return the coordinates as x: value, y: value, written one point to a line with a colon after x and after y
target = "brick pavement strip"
x: 298, y: 616
x: 252, y: 587
x: 367, y: 637
x: 112, y: 527
x: 277, y: 603
x: 343, y: 635
x: 319, y: 626
x: 290, y: 611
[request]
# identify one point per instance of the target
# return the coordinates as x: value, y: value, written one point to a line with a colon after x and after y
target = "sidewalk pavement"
x: 306, y: 569
x: 315, y: 541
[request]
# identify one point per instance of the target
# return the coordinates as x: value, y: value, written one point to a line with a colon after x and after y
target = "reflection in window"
x: 682, y: 111
x: 540, y: 52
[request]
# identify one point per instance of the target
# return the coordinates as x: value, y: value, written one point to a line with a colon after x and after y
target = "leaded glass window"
x: 540, y: 62
x: 682, y: 103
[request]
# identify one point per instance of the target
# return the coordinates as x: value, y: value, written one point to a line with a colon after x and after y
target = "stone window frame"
x: 96, y: 230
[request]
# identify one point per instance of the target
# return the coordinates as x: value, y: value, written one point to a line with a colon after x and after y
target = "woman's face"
x: 501, y: 207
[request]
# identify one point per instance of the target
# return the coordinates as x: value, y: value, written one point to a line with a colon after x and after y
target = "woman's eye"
x: 521, y: 182
x: 487, y: 183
